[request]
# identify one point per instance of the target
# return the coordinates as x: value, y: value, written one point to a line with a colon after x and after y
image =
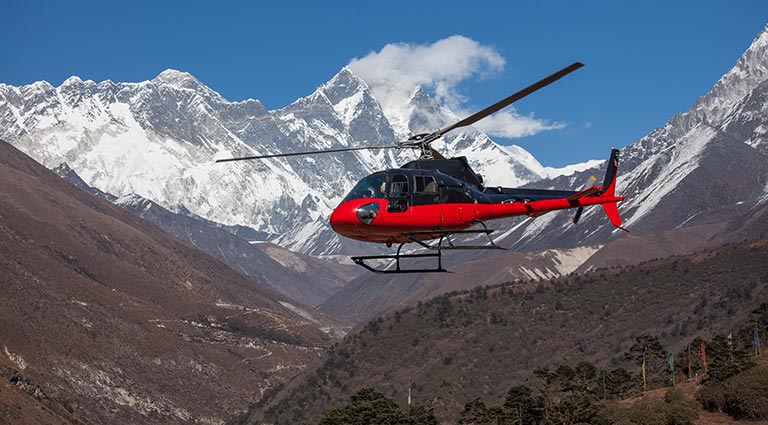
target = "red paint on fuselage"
x: 391, y: 227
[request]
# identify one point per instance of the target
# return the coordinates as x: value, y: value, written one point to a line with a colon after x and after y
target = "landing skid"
x: 361, y: 261
x: 436, y: 248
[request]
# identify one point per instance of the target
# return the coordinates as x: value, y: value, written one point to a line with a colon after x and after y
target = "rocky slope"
x: 710, y: 156
x: 306, y: 279
x: 120, y: 322
x: 730, y: 223
x: 22, y: 402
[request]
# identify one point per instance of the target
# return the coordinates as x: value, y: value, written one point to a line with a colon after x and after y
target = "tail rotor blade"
x: 578, y: 215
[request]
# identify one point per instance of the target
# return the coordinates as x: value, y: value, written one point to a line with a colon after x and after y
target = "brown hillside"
x: 122, y: 323
x: 23, y: 402
x: 478, y: 343
x: 371, y: 295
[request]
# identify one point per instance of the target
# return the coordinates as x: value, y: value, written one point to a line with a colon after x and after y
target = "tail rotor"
x: 580, y: 210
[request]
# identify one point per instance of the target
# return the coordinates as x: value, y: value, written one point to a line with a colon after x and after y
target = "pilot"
x: 372, y: 193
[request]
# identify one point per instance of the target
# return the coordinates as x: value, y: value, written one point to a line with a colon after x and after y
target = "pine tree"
x: 477, y: 413
x: 366, y: 407
x: 648, y: 351
x: 521, y: 407
x: 727, y: 358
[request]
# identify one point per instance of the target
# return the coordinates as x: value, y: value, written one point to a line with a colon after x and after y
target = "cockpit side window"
x: 398, y: 186
x: 426, y: 184
x: 369, y: 187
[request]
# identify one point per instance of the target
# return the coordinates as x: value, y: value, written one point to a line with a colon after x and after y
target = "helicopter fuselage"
x: 398, y: 205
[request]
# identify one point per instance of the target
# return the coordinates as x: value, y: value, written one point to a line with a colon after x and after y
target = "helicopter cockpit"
x: 406, y: 187
x: 372, y: 186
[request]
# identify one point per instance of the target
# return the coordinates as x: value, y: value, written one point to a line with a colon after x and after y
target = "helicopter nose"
x: 347, y: 218
x: 344, y: 219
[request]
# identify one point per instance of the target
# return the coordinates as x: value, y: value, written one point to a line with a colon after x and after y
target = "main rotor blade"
x: 278, y: 155
x: 477, y: 116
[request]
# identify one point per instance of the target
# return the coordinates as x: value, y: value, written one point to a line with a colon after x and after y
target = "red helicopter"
x: 434, y: 198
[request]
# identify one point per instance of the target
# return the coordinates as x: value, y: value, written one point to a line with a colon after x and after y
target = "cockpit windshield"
x: 370, y: 187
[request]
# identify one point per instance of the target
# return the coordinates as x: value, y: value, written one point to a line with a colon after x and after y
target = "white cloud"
x: 397, y: 69
x: 508, y: 123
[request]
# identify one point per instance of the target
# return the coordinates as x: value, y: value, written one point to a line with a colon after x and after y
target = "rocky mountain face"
x: 713, y: 155
x: 306, y: 279
x: 158, y: 139
x: 120, y: 322
x: 727, y: 224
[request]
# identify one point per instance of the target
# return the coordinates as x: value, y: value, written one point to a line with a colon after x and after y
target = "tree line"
x: 586, y: 394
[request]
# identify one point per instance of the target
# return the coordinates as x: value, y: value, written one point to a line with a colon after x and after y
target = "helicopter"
x: 432, y: 200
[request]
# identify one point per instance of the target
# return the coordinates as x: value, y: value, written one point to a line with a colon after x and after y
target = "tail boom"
x: 604, y: 195
x: 536, y: 208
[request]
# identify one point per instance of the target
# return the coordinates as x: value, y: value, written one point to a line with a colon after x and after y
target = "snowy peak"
x: 134, y: 200
x: 180, y: 80
x: 712, y: 155
x: 525, y: 157
x: 423, y: 113
x: 420, y: 98
x: 72, y: 81
x: 351, y: 98
x: 343, y: 85
x: 177, y: 79
x: 750, y: 70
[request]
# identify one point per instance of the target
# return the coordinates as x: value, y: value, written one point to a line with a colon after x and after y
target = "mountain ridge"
x: 157, y: 138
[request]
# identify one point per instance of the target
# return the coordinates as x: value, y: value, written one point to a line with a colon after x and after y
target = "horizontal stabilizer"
x: 586, y: 192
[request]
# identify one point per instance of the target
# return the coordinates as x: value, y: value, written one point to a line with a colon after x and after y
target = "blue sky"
x: 645, y: 60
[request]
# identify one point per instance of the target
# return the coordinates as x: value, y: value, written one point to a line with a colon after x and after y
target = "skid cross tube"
x: 436, y: 250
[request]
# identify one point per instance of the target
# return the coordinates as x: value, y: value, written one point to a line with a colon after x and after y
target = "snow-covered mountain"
x: 714, y: 154
x: 158, y: 139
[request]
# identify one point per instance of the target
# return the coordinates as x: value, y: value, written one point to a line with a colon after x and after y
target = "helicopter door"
x: 399, y: 194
